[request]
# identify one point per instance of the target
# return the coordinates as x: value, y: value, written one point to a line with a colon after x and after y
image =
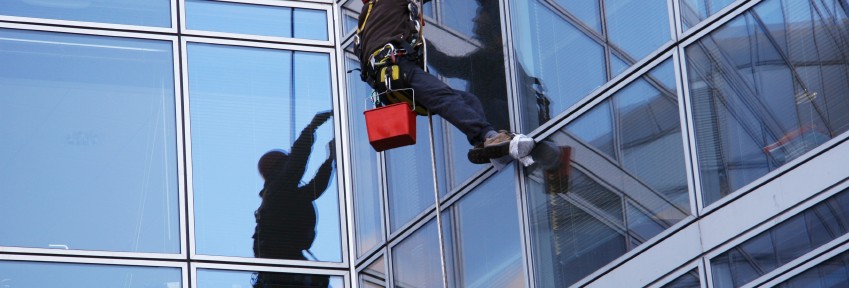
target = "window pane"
x: 833, y: 272
x: 783, y: 243
x: 455, y: 14
x: 366, y: 186
x: 374, y: 275
x: 38, y: 274
x: 587, y: 11
x: 688, y: 280
x: 549, y: 49
x: 416, y: 260
x: 410, y: 178
x: 350, y: 14
x: 155, y: 13
x: 310, y: 24
x: 221, y: 278
x: 267, y: 124
x: 637, y: 26
x: 475, y: 66
x: 694, y: 11
x: 256, y: 19
x: 594, y: 208
x: 757, y: 104
x: 487, y: 242
x: 97, y: 115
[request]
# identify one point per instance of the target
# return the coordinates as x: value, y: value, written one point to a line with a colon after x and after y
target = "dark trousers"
x: 460, y: 108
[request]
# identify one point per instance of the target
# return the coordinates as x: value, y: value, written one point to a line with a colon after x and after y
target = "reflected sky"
x: 15, y: 274
x: 235, y: 122
x: 88, y: 129
x: 145, y: 13
x: 262, y: 20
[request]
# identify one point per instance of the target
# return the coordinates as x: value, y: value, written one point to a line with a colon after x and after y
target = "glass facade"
x: 783, y: 243
x: 766, y: 88
x: 221, y: 143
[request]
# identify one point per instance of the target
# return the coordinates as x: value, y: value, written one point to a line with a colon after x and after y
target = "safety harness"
x: 382, y: 72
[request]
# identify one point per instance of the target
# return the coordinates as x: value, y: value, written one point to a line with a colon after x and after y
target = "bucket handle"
x: 375, y: 97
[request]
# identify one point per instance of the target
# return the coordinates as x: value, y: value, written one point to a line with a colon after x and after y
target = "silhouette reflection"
x: 482, y: 68
x: 286, y: 219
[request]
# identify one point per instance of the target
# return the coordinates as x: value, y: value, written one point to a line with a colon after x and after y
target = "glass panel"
x: 350, y: 13
x: 487, y: 242
x: 688, y: 280
x: 587, y: 207
x: 256, y: 19
x: 97, y: 115
x: 694, y: 11
x: 410, y: 178
x: 416, y: 260
x: 783, y: 243
x: 247, y: 127
x: 366, y: 186
x: 221, y: 278
x: 455, y: 14
x: 41, y: 274
x: 758, y: 103
x: 617, y: 65
x: 833, y: 272
x: 155, y: 13
x: 310, y: 24
x: 587, y: 11
x: 374, y: 275
x: 473, y: 66
x: 548, y: 48
x: 638, y: 27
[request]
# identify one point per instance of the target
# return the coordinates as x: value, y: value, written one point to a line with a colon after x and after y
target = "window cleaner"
x: 391, y: 50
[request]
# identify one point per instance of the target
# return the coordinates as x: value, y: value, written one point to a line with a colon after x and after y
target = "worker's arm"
x: 294, y: 169
x: 319, y: 183
x: 446, y: 65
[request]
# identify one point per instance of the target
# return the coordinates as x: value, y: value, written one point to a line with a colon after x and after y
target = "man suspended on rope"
x: 390, y: 48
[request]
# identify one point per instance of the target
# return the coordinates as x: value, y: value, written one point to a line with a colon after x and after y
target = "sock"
x: 490, y: 134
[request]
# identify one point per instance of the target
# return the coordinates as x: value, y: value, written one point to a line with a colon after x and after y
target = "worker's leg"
x: 461, y: 109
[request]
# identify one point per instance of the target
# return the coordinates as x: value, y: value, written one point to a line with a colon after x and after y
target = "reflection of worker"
x: 392, y: 22
x: 483, y: 68
x: 286, y: 219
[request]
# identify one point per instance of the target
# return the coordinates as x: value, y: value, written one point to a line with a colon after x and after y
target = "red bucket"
x: 391, y: 126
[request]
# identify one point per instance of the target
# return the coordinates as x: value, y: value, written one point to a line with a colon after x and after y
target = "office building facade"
x: 188, y: 143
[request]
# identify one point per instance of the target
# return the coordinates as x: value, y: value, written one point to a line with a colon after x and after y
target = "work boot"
x: 493, y: 147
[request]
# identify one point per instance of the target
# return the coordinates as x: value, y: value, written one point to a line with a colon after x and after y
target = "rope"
x: 436, y: 198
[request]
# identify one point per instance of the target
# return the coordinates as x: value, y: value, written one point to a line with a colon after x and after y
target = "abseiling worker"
x: 388, y: 35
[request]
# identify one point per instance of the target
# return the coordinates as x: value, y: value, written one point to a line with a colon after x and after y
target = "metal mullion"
x: 516, y: 121
x: 88, y: 25
x: 177, y: 58
x: 340, y: 124
x: 356, y: 259
x: 708, y: 283
x: 344, y: 177
x: 687, y: 122
x: 273, y: 269
x: 93, y: 261
x: 675, y: 22
x: 390, y: 267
